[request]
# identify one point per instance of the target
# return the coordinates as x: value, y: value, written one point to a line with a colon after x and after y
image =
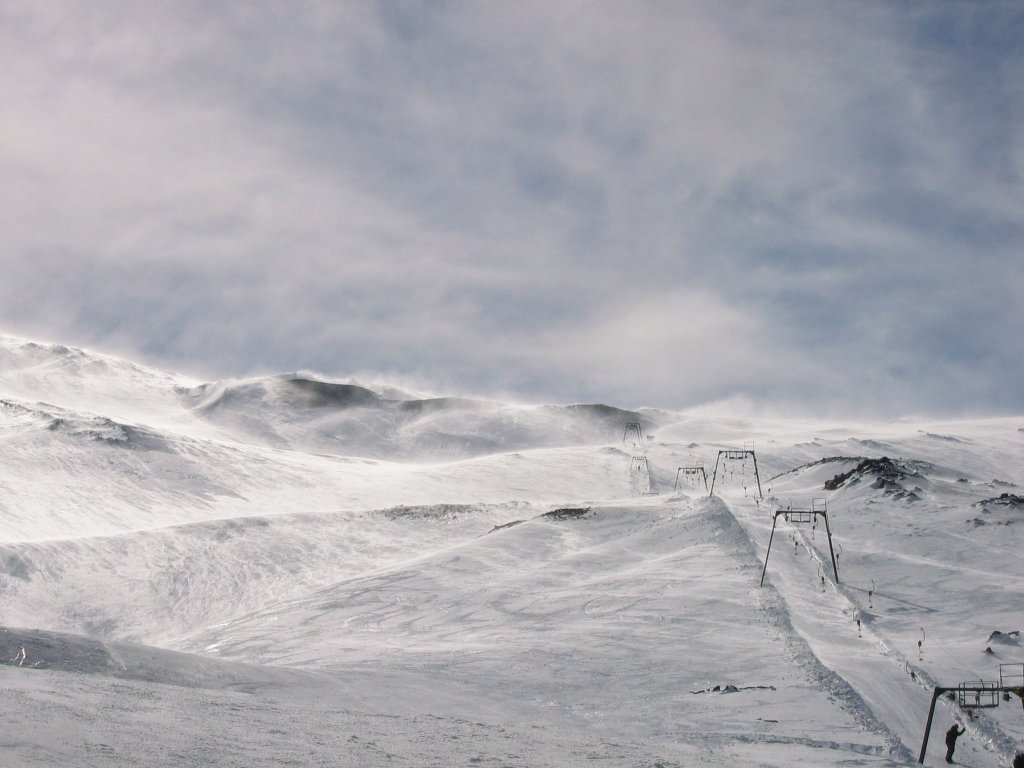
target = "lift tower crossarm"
x: 990, y: 689
x: 801, y: 516
x: 735, y: 455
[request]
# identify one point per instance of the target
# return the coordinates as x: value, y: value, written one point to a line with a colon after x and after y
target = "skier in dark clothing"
x: 952, y: 735
x: 1018, y: 761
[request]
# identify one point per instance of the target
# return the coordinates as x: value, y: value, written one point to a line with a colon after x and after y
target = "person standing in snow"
x: 1018, y: 761
x: 952, y: 735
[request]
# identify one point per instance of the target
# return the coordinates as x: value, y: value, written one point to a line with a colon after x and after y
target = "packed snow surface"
x: 296, y: 571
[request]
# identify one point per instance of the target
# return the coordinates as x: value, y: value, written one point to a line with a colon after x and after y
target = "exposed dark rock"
x: 1002, y: 500
x: 999, y: 636
x: 569, y: 513
x: 505, y: 525
x: 886, y: 471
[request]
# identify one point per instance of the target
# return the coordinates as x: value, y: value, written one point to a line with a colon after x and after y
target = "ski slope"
x: 295, y: 571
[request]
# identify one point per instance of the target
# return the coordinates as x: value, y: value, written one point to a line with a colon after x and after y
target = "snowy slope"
x: 298, y: 412
x: 289, y: 570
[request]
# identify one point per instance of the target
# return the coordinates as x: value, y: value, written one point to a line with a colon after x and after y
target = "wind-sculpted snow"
x: 87, y: 382
x: 84, y: 427
x: 305, y: 414
x: 154, y: 586
x: 295, y: 570
x: 607, y: 615
x: 70, y: 474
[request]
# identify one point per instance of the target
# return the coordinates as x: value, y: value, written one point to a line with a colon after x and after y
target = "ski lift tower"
x: 634, y: 430
x: 641, y: 473
x: 692, y: 475
x: 818, y: 508
x: 733, y: 454
x: 979, y: 694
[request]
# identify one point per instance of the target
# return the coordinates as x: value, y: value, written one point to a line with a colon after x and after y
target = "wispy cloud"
x: 652, y: 203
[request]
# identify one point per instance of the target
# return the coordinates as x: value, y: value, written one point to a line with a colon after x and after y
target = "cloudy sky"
x: 812, y: 205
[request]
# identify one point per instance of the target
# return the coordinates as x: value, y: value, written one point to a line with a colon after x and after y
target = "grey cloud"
x: 646, y: 204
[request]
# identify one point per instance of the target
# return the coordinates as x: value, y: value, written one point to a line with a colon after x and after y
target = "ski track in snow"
x: 800, y: 637
x: 864, y: 658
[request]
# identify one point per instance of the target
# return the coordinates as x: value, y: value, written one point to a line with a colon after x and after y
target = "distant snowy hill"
x: 291, y: 570
x: 297, y: 412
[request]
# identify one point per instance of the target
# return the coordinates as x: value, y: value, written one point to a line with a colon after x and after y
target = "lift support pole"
x: 939, y: 690
x: 831, y: 551
x: 813, y: 513
x: 775, y: 520
x: 931, y: 714
x: 734, y: 455
x: 691, y: 471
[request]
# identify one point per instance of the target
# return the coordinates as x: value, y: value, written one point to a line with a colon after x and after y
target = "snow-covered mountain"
x: 293, y: 570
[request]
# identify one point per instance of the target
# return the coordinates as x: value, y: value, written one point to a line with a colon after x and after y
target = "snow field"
x: 319, y: 574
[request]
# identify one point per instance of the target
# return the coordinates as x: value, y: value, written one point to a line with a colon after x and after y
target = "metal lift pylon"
x: 733, y: 454
x: 802, y: 516
x: 976, y: 694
